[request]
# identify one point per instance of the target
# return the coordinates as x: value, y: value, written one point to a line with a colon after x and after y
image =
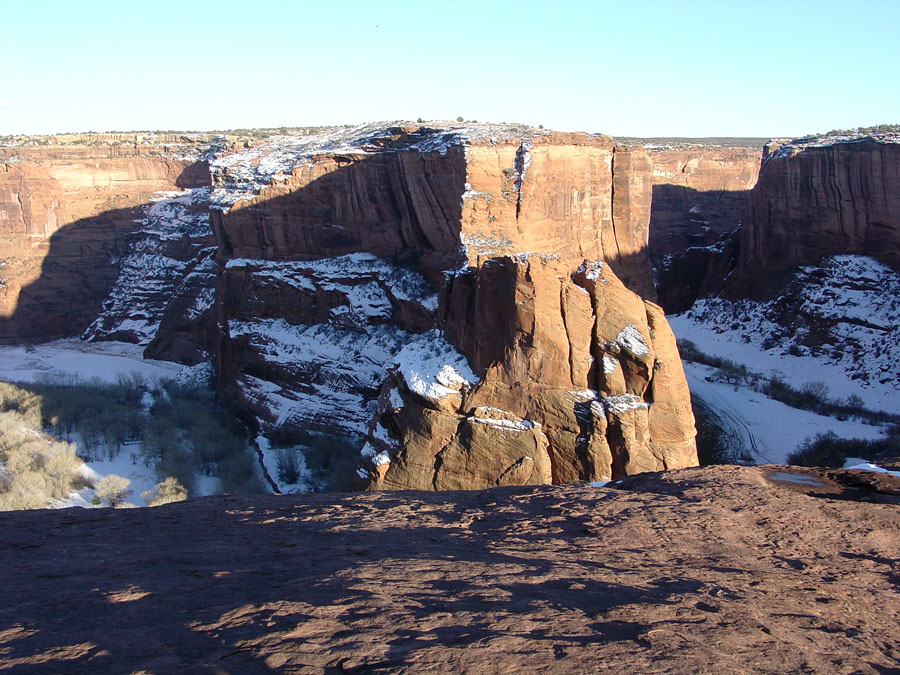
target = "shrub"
x: 290, y: 465
x: 165, y: 492
x: 113, y: 488
x: 829, y: 450
x: 27, y: 490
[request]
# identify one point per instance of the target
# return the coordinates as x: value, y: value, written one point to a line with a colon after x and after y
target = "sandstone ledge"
x: 698, y: 570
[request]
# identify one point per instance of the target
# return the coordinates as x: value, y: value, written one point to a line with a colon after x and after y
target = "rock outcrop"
x: 816, y: 197
x: 576, y: 378
x: 445, y: 196
x: 322, y: 245
x: 720, y: 569
x: 322, y: 272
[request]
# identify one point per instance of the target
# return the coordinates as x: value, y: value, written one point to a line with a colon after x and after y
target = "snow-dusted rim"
x: 787, y: 148
x: 241, y: 175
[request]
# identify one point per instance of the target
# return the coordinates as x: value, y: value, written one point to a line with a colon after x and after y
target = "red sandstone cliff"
x: 65, y: 214
x: 578, y: 378
x: 817, y: 197
x: 448, y: 198
x: 512, y: 215
x: 699, y: 196
x: 322, y: 270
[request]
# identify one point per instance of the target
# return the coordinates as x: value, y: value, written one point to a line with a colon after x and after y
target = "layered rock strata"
x: 446, y: 196
x: 66, y: 215
x: 815, y: 197
x: 318, y: 240
x: 459, y: 286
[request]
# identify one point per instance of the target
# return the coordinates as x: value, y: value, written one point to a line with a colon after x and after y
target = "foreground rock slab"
x: 723, y: 569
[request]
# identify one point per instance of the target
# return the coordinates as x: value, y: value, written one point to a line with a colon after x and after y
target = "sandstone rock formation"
x: 721, y: 569
x: 577, y: 379
x: 406, y: 190
x: 699, y: 196
x: 818, y: 197
x: 309, y: 269
x: 65, y: 216
x: 310, y: 236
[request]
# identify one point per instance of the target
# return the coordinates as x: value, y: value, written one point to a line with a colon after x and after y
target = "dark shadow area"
x: 693, y: 241
x: 231, y: 585
x: 391, y: 204
x: 76, y: 275
x: 682, y: 217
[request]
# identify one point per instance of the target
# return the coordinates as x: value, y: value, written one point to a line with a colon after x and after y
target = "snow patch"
x: 623, y: 403
x: 631, y: 341
x: 432, y: 368
x: 609, y: 364
x: 591, y: 269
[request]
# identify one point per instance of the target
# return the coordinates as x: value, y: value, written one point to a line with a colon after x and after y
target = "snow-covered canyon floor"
x: 834, y: 331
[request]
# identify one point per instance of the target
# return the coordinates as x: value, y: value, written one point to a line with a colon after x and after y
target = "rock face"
x: 578, y: 379
x: 819, y: 197
x: 331, y: 254
x: 720, y: 569
x: 66, y: 214
x: 699, y: 196
x: 445, y: 196
x: 454, y: 301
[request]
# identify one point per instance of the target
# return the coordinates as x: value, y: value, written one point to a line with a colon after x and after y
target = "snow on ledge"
x: 591, y: 269
x: 631, y: 341
x: 432, y: 368
x: 623, y: 403
x: 501, y: 419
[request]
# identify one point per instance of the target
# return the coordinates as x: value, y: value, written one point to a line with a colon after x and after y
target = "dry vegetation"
x: 47, y: 431
x: 36, y: 468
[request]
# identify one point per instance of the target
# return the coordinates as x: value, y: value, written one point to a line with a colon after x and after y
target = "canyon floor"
x: 721, y: 569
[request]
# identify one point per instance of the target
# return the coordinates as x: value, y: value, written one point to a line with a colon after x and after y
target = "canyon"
x: 474, y: 317
x: 462, y: 305
x: 332, y: 278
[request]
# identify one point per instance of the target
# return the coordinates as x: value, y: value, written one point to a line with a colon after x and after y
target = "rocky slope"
x: 819, y: 196
x: 722, y: 569
x: 841, y: 317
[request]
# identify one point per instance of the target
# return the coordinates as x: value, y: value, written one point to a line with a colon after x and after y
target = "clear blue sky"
x: 640, y: 68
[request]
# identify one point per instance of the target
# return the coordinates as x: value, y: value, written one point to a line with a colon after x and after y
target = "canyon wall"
x: 699, y: 197
x: 410, y: 191
x: 476, y: 289
x: 817, y: 197
x: 65, y: 215
x: 404, y: 286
